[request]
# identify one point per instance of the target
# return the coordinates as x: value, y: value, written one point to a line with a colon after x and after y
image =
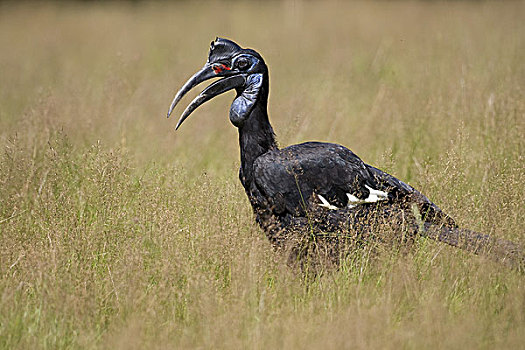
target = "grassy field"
x: 118, y: 232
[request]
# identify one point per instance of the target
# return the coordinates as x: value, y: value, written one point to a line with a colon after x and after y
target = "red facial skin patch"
x: 217, y: 68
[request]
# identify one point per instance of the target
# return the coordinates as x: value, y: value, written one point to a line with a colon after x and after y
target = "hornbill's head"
x: 241, y: 69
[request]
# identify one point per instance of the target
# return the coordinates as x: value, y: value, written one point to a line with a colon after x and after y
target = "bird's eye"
x: 242, y: 63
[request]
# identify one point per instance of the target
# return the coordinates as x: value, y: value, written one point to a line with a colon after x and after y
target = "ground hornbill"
x: 314, y: 192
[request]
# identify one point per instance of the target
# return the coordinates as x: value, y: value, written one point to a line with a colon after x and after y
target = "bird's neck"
x: 256, y: 137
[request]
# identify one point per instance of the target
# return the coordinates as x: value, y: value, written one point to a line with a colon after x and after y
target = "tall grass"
x: 117, y: 232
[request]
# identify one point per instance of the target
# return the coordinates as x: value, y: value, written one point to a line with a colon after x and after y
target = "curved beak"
x: 215, y: 89
x: 204, y: 74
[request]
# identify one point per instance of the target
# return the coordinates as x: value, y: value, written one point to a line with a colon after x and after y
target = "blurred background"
x: 379, y: 77
x: 118, y: 232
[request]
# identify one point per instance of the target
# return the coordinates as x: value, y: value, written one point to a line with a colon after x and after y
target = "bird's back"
x: 326, y: 176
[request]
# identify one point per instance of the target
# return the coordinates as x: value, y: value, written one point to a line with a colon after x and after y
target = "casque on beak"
x: 220, y: 63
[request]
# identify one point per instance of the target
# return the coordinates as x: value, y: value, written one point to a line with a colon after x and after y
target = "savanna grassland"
x: 118, y: 232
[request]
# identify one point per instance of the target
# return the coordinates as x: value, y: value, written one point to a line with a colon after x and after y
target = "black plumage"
x: 318, y: 190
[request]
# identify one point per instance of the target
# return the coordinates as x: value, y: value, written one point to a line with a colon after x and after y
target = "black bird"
x: 314, y: 191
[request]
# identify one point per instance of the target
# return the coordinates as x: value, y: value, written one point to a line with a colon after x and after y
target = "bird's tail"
x: 498, y: 249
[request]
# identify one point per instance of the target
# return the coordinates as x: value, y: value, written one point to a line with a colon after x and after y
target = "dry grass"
x: 117, y: 232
